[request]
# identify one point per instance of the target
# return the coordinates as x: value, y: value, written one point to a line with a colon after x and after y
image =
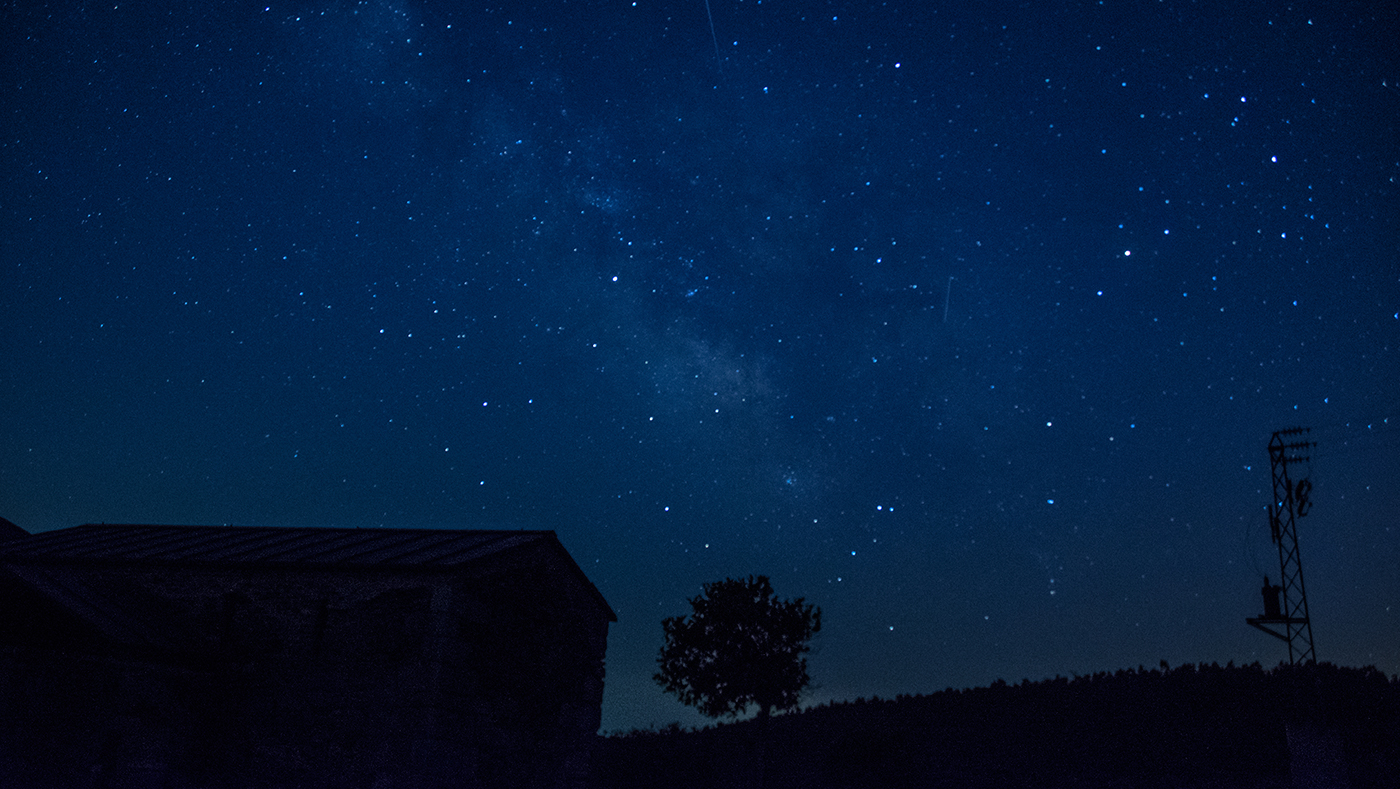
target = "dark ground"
x: 1190, y: 726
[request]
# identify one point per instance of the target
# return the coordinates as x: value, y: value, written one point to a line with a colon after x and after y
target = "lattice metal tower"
x: 1292, y: 500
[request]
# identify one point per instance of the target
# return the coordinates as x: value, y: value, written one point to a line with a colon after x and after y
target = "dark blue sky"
x: 969, y: 323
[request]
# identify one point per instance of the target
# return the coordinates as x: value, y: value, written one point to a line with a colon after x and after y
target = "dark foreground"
x: 1190, y: 726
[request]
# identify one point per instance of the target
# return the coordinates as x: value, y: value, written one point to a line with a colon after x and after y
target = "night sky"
x: 970, y: 323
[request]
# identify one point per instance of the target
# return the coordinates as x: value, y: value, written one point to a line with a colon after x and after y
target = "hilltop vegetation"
x: 1191, y: 726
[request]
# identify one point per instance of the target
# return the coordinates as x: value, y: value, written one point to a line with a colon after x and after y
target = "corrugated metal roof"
x: 396, y: 548
x: 393, y: 549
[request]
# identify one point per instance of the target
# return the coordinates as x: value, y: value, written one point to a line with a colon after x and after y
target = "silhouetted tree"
x: 740, y: 646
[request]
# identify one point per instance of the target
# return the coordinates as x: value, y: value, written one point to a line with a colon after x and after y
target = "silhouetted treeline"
x: 1206, y: 726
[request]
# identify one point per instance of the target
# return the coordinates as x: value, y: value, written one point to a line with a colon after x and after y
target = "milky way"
x: 970, y: 327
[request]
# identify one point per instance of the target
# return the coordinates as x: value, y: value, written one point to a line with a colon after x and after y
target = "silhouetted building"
x: 201, y: 656
x: 9, y: 531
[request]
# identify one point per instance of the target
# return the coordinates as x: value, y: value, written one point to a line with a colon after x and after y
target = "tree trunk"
x: 761, y: 769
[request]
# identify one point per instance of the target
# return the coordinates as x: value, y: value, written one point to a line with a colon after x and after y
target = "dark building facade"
x: 179, y: 656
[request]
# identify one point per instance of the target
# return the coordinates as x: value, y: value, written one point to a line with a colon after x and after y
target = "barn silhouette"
x: 212, y: 656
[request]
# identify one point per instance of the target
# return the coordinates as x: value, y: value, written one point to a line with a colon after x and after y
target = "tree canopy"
x: 740, y: 646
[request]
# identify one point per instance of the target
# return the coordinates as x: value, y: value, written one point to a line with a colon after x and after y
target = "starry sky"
x: 968, y: 322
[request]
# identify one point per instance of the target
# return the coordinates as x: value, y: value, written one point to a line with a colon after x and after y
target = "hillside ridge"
x: 1193, y: 725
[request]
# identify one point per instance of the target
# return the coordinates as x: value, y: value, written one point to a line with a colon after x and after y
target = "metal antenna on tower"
x: 1292, y: 500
